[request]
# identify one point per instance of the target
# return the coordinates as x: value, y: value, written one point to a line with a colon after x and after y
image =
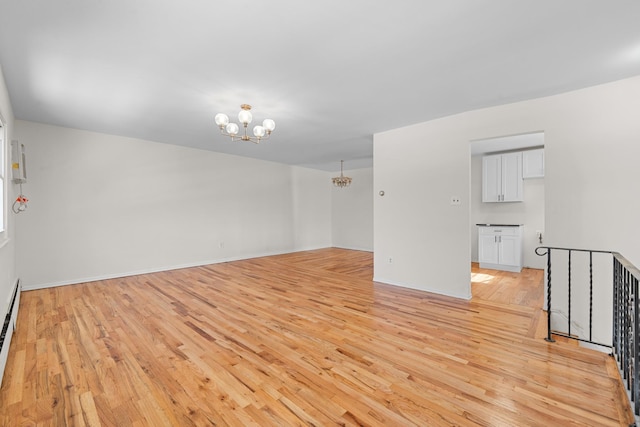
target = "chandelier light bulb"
x: 232, y: 129
x: 245, y: 117
x: 269, y: 125
x: 259, y: 131
x: 222, y: 120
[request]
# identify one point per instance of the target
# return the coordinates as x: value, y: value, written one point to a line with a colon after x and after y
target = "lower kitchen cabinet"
x: 500, y: 247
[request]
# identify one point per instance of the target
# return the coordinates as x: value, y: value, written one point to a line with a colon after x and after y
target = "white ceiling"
x: 330, y: 73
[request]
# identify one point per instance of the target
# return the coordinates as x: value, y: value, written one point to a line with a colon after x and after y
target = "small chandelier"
x: 341, y: 181
x: 245, y: 117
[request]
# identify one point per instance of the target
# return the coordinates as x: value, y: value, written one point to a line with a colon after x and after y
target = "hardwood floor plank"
x: 299, y: 339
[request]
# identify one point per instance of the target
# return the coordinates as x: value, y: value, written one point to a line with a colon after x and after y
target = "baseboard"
x: 433, y: 291
x: 160, y: 269
x: 353, y: 248
x: 502, y: 267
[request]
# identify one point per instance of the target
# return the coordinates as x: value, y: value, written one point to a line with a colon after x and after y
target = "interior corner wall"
x: 312, y: 209
x: 106, y: 206
x: 530, y: 213
x: 352, y: 211
x: 591, y: 156
x: 8, y: 276
x: 7, y: 239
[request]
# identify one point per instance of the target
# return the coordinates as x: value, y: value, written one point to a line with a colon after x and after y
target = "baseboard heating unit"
x: 8, y: 327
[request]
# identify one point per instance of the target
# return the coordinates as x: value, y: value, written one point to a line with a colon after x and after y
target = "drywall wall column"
x: 421, y: 240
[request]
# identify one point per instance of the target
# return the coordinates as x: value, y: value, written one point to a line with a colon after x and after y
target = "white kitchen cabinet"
x: 500, y: 247
x: 502, y: 178
x: 533, y: 163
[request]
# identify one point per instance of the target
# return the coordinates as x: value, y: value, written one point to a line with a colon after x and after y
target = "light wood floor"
x: 299, y: 339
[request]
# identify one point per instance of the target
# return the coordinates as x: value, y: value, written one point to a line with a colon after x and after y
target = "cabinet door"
x: 512, y: 185
x: 509, y: 252
x: 491, y: 178
x: 488, y: 249
x: 533, y: 163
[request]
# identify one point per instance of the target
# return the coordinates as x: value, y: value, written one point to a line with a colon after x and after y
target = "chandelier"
x: 341, y: 181
x: 245, y: 117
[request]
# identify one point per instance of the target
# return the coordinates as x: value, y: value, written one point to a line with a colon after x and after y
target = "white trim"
x: 159, y: 269
x: 502, y: 267
x: 3, y: 241
x: 432, y: 291
x: 595, y: 347
x: 5, y: 171
x: 353, y: 248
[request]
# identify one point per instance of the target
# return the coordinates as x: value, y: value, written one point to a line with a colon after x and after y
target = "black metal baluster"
x: 635, y: 389
x: 629, y: 338
x: 590, y: 295
x: 616, y: 303
x: 569, y: 319
x: 548, y: 338
x: 627, y: 315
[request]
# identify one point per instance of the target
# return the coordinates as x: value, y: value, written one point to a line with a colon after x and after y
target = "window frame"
x: 4, y: 171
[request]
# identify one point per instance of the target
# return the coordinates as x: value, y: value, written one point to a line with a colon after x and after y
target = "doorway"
x: 529, y: 213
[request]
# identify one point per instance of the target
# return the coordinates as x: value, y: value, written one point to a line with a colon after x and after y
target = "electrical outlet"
x: 221, y: 245
x: 455, y: 200
x: 390, y: 260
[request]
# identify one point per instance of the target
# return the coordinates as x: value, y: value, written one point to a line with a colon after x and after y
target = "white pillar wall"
x: 591, y: 156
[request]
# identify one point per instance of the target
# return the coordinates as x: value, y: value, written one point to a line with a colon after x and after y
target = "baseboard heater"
x: 8, y: 327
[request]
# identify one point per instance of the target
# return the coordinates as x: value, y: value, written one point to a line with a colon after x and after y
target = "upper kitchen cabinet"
x: 533, y: 163
x: 502, y: 178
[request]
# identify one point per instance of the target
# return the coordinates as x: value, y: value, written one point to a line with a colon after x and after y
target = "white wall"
x: 530, y: 212
x: 311, y: 193
x: 421, y: 240
x: 7, y: 239
x: 352, y: 211
x: 106, y: 206
x: 591, y: 182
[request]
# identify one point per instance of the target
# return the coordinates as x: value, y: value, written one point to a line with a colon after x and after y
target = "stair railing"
x: 625, y: 323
